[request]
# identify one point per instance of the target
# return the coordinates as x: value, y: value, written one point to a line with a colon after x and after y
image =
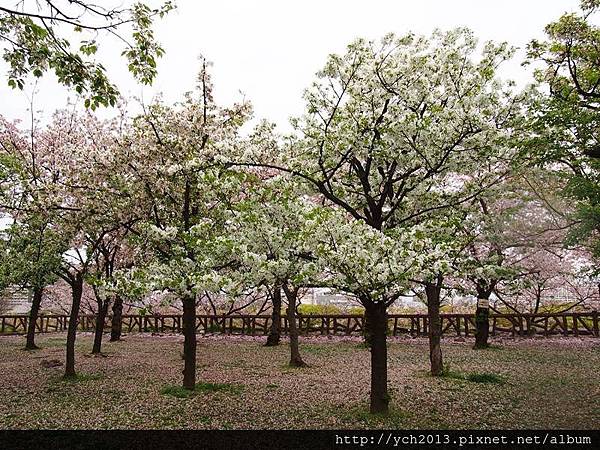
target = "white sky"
x: 271, y: 49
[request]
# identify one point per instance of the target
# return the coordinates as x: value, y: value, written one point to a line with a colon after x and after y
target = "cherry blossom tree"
x: 31, y: 247
x: 31, y: 254
x: 511, y: 227
x: 387, y: 123
x: 112, y: 254
x: 551, y: 279
x: 444, y: 239
x: 168, y: 165
x: 275, y: 247
x: 62, y: 165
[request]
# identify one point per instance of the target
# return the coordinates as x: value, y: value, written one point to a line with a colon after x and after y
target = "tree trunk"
x: 435, y: 328
x: 377, y: 319
x: 275, y: 331
x: 116, y: 323
x: 77, y: 291
x: 295, y: 358
x: 366, y: 331
x: 189, y: 342
x: 33, y: 316
x: 99, y: 331
x: 482, y: 321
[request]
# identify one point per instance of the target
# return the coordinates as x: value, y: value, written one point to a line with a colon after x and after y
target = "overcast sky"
x: 271, y: 49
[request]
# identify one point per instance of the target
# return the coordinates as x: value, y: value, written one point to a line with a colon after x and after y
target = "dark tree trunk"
x: 377, y: 319
x: 295, y: 358
x: 482, y: 320
x: 189, y: 342
x: 482, y: 327
x: 116, y: 322
x: 33, y: 316
x: 99, y: 331
x: 77, y: 291
x: 275, y: 332
x: 435, y: 328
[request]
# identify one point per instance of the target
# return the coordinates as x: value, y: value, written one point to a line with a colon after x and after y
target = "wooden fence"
x: 567, y: 324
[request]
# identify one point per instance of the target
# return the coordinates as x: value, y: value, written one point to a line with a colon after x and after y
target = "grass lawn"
x: 528, y: 383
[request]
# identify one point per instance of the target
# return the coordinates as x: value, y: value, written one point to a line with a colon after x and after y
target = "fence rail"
x: 566, y: 324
